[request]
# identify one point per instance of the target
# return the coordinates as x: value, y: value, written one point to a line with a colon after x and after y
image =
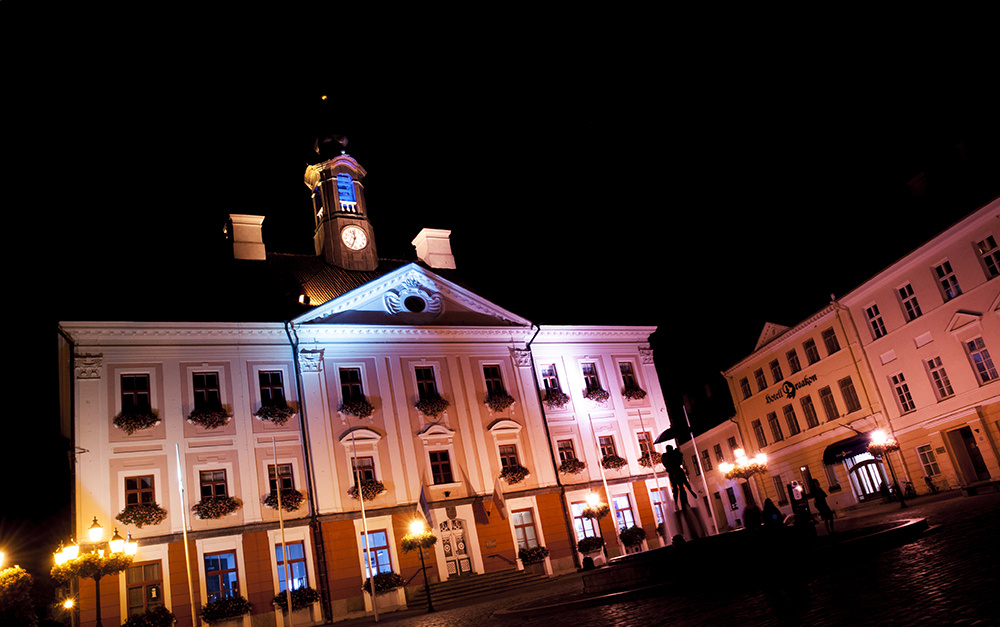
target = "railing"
x: 498, y: 556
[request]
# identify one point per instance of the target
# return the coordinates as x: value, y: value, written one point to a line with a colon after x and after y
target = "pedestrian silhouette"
x: 819, y: 498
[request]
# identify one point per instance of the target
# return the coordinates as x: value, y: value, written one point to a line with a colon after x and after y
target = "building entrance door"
x: 456, y: 552
x: 866, y: 476
x: 969, y: 457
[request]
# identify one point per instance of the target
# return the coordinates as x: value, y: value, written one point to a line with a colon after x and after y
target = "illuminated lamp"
x: 117, y: 543
x: 95, y: 531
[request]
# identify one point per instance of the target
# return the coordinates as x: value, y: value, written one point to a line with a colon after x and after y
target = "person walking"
x: 819, y: 498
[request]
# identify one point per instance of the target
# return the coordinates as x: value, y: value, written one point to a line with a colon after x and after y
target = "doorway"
x: 968, y: 457
x: 866, y: 475
x: 456, y: 554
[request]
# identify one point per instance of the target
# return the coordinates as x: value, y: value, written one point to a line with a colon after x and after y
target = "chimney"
x: 434, y: 248
x: 244, y: 233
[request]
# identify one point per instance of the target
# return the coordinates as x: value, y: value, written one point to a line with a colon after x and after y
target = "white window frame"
x: 635, y: 374
x: 924, y: 463
x: 907, y: 296
x: 140, y: 471
x: 940, y: 382
x: 904, y: 399
x: 234, y: 544
x: 992, y: 370
x: 437, y: 437
x: 219, y: 368
x: 874, y: 319
x: 367, y: 441
x: 990, y: 258
x: 149, y: 371
x: 284, y: 369
x: 505, y: 432
x: 948, y: 277
x: 292, y: 534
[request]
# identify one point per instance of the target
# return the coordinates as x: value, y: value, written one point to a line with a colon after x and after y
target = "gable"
x: 411, y: 296
x: 771, y: 331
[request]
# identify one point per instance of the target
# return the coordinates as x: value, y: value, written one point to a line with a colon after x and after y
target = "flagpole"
x: 656, y: 477
x: 281, y: 526
x: 187, y: 555
x: 364, y: 525
x: 701, y: 469
x: 604, y: 480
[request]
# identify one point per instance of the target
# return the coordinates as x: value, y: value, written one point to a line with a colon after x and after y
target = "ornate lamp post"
x: 880, y: 445
x: 744, y: 468
x: 420, y: 539
x: 97, y: 563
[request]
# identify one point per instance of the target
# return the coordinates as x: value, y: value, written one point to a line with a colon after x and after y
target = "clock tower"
x: 344, y: 236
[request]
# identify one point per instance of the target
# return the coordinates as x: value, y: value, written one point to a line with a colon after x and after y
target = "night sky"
x: 706, y: 189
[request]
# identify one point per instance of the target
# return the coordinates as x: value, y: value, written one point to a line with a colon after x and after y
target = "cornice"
x: 554, y: 334
x: 781, y: 340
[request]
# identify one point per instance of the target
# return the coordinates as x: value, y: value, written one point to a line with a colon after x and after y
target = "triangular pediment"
x: 411, y: 296
x: 965, y: 320
x: 771, y: 332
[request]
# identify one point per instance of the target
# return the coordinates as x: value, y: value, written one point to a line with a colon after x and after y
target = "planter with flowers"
x: 359, y: 408
x: 556, y: 399
x: 291, y: 499
x: 433, y: 406
x: 632, y: 536
x: 370, y: 488
x: 613, y: 462
x: 596, y: 395
x: 499, y: 402
x: 227, y: 610
x: 278, y: 414
x: 132, y: 421
x: 212, y: 507
x: 210, y: 417
x: 514, y: 474
x: 140, y: 514
x: 156, y: 617
x: 302, y: 604
x: 590, y: 544
x: 572, y: 466
x: 648, y: 460
x: 388, y: 590
x: 634, y: 393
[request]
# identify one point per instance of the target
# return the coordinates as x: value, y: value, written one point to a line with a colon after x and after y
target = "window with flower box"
x: 351, y: 388
x: 524, y: 528
x: 645, y: 440
x: 272, y: 388
x: 221, y: 575
x: 426, y: 382
x: 365, y: 466
x: 566, y: 450
x: 629, y: 382
x: 623, y: 511
x: 607, y: 444
x: 296, y: 554
x: 379, y: 558
x: 144, y: 587
x: 135, y: 393
x: 508, y: 456
x: 591, y: 381
x: 660, y: 499
x: 280, y: 475
x: 139, y: 490
x: 550, y: 379
x: 494, y: 382
x: 213, y: 483
x: 206, y: 390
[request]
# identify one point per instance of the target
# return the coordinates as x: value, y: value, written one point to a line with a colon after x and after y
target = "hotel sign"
x: 788, y: 389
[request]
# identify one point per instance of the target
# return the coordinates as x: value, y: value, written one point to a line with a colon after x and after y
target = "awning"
x: 850, y: 447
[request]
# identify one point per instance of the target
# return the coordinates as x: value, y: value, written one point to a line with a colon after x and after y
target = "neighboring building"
x: 729, y: 497
x: 368, y: 341
x: 930, y: 325
x: 908, y: 353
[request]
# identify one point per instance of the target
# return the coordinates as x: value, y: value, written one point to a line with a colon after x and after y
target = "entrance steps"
x: 474, y: 586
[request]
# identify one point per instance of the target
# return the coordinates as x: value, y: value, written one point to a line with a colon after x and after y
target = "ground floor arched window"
x: 866, y: 475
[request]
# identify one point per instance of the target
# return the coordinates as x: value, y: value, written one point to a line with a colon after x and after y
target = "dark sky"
x: 705, y: 181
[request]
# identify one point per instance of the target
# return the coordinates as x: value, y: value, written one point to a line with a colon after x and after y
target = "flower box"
x: 291, y: 499
x: 384, y: 583
x: 557, y: 399
x: 133, y: 421
x: 514, y: 474
x: 209, y: 417
x: 590, y: 544
x: 634, y: 393
x: 140, y: 514
x: 224, y: 609
x: 360, y: 408
x: 596, y: 395
x: 649, y: 460
x: 499, y: 402
x: 279, y: 415
x: 301, y: 598
x: 533, y: 555
x: 572, y: 467
x: 212, y: 507
x: 632, y: 536
x: 433, y: 407
x: 370, y: 488
x: 613, y: 462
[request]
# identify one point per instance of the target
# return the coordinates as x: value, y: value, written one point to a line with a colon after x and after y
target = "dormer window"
x: 345, y: 193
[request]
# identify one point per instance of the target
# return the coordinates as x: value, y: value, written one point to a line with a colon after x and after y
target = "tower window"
x: 345, y: 193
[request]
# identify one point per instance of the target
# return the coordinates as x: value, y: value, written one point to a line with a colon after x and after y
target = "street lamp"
x: 880, y: 445
x: 596, y: 510
x: 94, y: 564
x: 744, y: 468
x: 420, y: 539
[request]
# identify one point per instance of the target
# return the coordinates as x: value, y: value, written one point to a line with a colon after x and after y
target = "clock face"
x: 354, y: 238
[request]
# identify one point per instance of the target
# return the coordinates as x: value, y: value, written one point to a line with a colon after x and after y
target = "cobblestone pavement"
x: 951, y: 576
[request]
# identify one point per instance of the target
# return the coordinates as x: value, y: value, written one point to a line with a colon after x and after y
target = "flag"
x: 498, y: 501
x: 479, y: 512
x: 423, y: 507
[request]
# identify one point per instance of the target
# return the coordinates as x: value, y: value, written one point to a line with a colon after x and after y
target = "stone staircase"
x: 473, y: 586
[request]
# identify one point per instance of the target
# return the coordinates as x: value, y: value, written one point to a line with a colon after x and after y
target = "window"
x: 584, y: 526
x: 494, y: 383
x: 296, y: 565
x: 645, y: 443
x: 829, y: 404
x: 524, y: 528
x: 831, y: 477
x: 772, y: 421
x: 376, y: 548
x: 706, y: 461
x: 791, y: 420
x: 144, y: 587
x: 761, y: 381
x: 221, y: 576
x: 135, y: 393
x: 779, y: 488
x: 440, y: 467
x: 213, y: 483
x: 745, y: 387
x: 732, y: 445
x: 426, y: 385
x: 776, y: 370
x: 566, y: 450
x: 607, y: 444
x: 206, y: 390
x: 550, y: 379
x: 718, y: 453
x: 345, y: 193
x: 981, y: 360
x: 508, y: 456
x: 758, y: 432
x: 947, y: 280
x: 875, y: 321
x: 793, y: 361
x: 350, y: 384
x: 139, y: 490
x: 695, y: 465
x: 812, y: 353
x: 280, y: 475
x: 990, y: 255
x: 910, y: 306
x: 365, y: 467
x: 942, y: 385
x: 732, y: 499
x: 928, y: 460
x: 272, y: 390
x: 849, y: 394
x: 812, y: 420
x: 659, y: 498
x: 623, y: 511
x: 830, y: 339
x: 628, y: 376
x: 902, y: 392
x: 590, y: 378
